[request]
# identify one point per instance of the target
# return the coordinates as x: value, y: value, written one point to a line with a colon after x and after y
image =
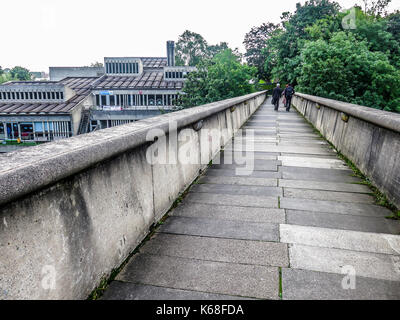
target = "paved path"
x: 300, y: 219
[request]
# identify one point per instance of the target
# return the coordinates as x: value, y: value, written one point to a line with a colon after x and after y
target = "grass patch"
x: 280, y: 283
x: 380, y: 198
x: 15, y: 143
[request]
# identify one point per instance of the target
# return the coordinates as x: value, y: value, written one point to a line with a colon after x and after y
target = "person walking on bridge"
x: 288, y: 93
x: 276, y: 96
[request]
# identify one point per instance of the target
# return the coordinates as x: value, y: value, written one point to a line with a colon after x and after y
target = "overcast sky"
x: 40, y: 33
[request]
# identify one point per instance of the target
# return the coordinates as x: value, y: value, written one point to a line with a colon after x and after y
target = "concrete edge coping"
x: 384, y: 119
x: 31, y: 169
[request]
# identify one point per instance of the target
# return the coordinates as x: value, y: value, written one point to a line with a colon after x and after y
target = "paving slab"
x: 267, y: 166
x: 218, y: 249
x: 119, y: 290
x: 205, y: 276
x: 233, y: 200
x: 365, y: 264
x: 243, y: 173
x: 238, y: 190
x: 237, y: 157
x: 324, y: 185
x: 328, y: 195
x: 308, y: 162
x: 311, y: 285
x: 340, y: 239
x: 345, y: 222
x: 358, y: 209
x: 243, y: 181
x: 211, y: 211
x: 242, y: 230
x: 317, y: 174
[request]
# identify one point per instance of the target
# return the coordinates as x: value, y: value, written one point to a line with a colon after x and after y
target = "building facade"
x: 127, y: 89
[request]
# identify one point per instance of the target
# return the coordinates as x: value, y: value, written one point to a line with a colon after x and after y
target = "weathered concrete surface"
x: 370, y: 138
x: 119, y: 290
x: 73, y: 210
x: 233, y: 213
x: 231, y: 219
x: 342, y: 221
x: 219, y: 249
x: 364, y: 264
x: 222, y: 228
x: 340, y: 239
x: 310, y: 285
x: 243, y: 280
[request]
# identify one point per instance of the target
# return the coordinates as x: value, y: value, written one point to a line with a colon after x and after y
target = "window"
x: 112, y: 100
x: 1, y: 128
x: 62, y: 95
x: 57, y: 95
x: 103, y: 101
x: 36, y: 94
x: 53, y: 95
x: 97, y: 100
x: 31, y: 95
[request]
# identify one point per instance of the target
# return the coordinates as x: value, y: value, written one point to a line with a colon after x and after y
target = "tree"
x: 1, y: 71
x: 97, y: 64
x: 20, y: 73
x: 377, y: 8
x: 394, y: 25
x: 285, y: 45
x: 191, y: 48
x: 343, y: 68
x: 216, y: 79
x: 254, y: 42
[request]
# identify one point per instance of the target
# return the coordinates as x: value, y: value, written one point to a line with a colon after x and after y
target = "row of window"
x: 174, y: 75
x: 31, y: 95
x: 35, y: 130
x: 126, y: 100
x: 122, y: 67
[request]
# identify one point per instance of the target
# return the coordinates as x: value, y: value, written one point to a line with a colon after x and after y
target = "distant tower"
x: 171, y: 53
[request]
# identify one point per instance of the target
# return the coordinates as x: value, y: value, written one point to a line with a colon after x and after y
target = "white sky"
x: 42, y: 33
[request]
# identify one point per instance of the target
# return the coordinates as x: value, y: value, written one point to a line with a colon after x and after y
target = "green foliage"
x: 192, y: 48
x: 254, y: 42
x: 313, y: 50
x: 20, y: 73
x: 345, y: 69
x: 219, y: 78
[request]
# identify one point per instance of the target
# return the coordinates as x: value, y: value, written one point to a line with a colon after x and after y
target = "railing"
x: 73, y: 210
x: 370, y: 138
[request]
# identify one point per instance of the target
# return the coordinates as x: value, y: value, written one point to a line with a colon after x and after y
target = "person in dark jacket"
x: 276, y: 96
x: 288, y: 93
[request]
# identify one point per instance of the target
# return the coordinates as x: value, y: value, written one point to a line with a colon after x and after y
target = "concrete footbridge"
x: 230, y: 200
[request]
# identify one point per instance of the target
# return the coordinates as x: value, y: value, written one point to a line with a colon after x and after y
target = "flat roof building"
x: 126, y: 89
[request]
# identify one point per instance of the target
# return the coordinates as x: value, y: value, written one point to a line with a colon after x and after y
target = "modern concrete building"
x: 80, y: 100
x: 43, y: 111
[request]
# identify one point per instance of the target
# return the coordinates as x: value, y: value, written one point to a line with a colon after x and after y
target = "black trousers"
x: 276, y: 103
x: 288, y: 103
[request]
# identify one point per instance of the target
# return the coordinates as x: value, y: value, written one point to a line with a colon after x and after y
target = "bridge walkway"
x: 297, y: 227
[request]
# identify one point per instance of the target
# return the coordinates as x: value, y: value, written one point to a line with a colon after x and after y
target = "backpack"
x: 289, y: 92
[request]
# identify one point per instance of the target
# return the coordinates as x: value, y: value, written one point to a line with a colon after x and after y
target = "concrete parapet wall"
x: 71, y: 211
x: 370, y: 138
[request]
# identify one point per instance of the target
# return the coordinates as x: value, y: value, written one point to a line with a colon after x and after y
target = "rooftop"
x: 81, y: 86
x: 146, y: 80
